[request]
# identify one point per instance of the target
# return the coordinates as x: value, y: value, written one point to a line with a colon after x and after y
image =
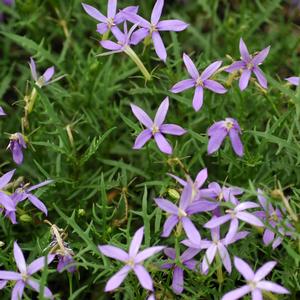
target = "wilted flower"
x: 132, y: 260
x: 293, y: 80
x: 156, y: 129
x: 153, y: 28
x: 16, y: 144
x: 24, y: 276
x: 200, y: 82
x: 255, y: 283
x: 113, y: 18
x: 249, y: 64
x: 218, y: 132
x: 178, y: 273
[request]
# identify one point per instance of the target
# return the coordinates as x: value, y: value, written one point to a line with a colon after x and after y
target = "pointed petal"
x: 246, y: 205
x: 167, y: 205
x: 237, y: 65
x: 6, y: 178
x: 143, y: 277
x: 118, y: 34
x: 162, y: 143
x: 136, y: 19
x: 186, y: 196
x: 213, y: 129
x: 94, y: 13
x: 9, y: 275
x: 201, y: 178
x: 244, y: 80
x: 183, y: 85
x: 17, y: 153
x: 169, y: 225
x: 172, y: 129
x: 237, y: 293
x: 161, y: 112
x: 17, y: 292
x: 36, y: 286
x: 268, y: 236
x: 39, y: 185
x: 143, y: 255
x: 38, y: 203
x: 198, y: 98
x: 264, y: 270
x: 210, y: 70
x: 244, y: 51
x: 256, y: 295
x: 114, y: 252
x: 214, y: 86
x: 260, y: 77
x: 293, y: 80
x: 48, y: 74
x: 172, y: 25
x: 261, y: 56
x: 249, y: 218
x: 178, y: 281
x: 243, y: 268
x: 188, y: 254
x: 141, y: 116
x: 139, y: 35
x: 102, y: 28
x: 201, y: 206
x: 272, y: 287
x: 216, y: 140
x: 19, y: 258
x: 179, y: 180
x: 233, y: 228
x: 190, y: 66
x: 136, y: 242
x: 2, y: 112
x: 142, y: 139
x: 240, y: 235
x: 215, y: 222
x: 159, y: 46
x: 109, y: 45
x: 191, y: 231
x: 225, y: 257
x: 208, y: 258
x: 170, y: 252
x: 33, y: 69
x: 111, y: 8
x: 39, y: 263
x: 236, y: 142
x: 156, y: 12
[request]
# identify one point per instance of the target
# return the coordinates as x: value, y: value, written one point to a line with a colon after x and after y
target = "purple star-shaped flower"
x: 178, y: 273
x: 218, y: 132
x: 153, y: 28
x: 216, y: 246
x: 234, y: 215
x: 249, y: 64
x: 255, y: 283
x: 274, y: 218
x: 181, y: 214
x: 24, y: 276
x: 45, y: 78
x: 293, y: 80
x: 156, y: 129
x: 23, y: 193
x: 113, y: 18
x: 132, y: 260
x: 16, y: 144
x: 200, y: 82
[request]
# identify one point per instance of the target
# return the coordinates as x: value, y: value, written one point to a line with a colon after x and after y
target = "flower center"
x: 130, y: 262
x: 252, y: 284
x: 155, y: 129
x: 110, y: 22
x: 41, y: 81
x: 199, y: 82
x: 24, y: 276
x: 228, y: 125
x: 231, y: 212
x: 220, y: 196
x: 250, y: 66
x: 181, y: 213
x: 153, y: 28
x: 273, y: 217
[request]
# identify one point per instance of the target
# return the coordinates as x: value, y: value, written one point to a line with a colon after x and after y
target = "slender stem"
x: 138, y: 62
x: 31, y: 101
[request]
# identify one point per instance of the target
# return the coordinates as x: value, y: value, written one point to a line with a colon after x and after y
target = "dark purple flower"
x: 156, y: 129
x: 132, y: 260
x: 249, y: 64
x: 234, y: 215
x: 16, y: 144
x: 218, y: 132
x: 200, y: 82
x: 254, y: 281
x: 113, y: 18
x: 153, y: 28
x: 293, y: 80
x: 178, y: 273
x: 24, y: 276
x: 66, y: 262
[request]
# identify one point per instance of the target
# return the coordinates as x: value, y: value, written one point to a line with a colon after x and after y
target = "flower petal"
x: 48, y: 74
x: 171, y: 25
x: 38, y: 203
x: 161, y: 112
x: 268, y: 236
x: 198, y: 98
x: 183, y: 85
x: 9, y: 275
x: 264, y: 270
x: 139, y: 35
x: 167, y: 205
x: 136, y: 242
x: 114, y: 252
x: 233, y: 228
x: 102, y: 28
x: 256, y: 295
x: 249, y: 218
x: 116, y: 280
x: 243, y: 268
x: 244, y: 80
x: 216, y: 140
x: 143, y: 255
x: 172, y: 129
x: 142, y: 139
x: 191, y: 231
x: 214, y: 86
x: 156, y: 12
x: 36, y: 286
x: 162, y: 143
x: 39, y: 263
x: 159, y: 46
x: 169, y: 225
x: 225, y: 257
x: 237, y: 293
x: 109, y: 45
x: 201, y: 206
x: 260, y: 77
x: 143, y: 277
x: 244, y: 51
x: 210, y: 70
x: 237, y: 65
x: 186, y: 196
x: 94, y: 13
x: 293, y: 80
x: 178, y: 281
x: 208, y: 258
x: 19, y: 258
x: 190, y: 66
x: 17, y: 292
x: 272, y: 287
x: 261, y: 56
x: 215, y: 222
x: 141, y: 116
x: 246, y: 205
x: 236, y: 142
x: 111, y: 8
x: 33, y: 69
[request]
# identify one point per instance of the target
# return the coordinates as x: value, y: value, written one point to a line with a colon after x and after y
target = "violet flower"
x: 153, y: 28
x: 218, y: 132
x: 156, y: 129
x: 234, y: 215
x: 293, y: 80
x: 5, y: 200
x: 24, y: 276
x: 185, y: 259
x: 113, y: 18
x: 199, y: 82
x: 273, y: 218
x: 16, y: 144
x: 45, y: 78
x: 255, y: 281
x: 249, y: 64
x: 133, y: 262
x: 216, y: 246
x: 2, y: 112
x: 21, y: 194
x: 181, y: 214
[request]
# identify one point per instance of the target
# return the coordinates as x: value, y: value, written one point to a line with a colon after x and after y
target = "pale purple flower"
x: 181, y: 214
x: 199, y: 81
x: 255, y: 282
x: 45, y: 78
x: 274, y: 218
x: 156, y: 129
x: 2, y: 112
x: 16, y: 144
x: 153, y: 28
x: 293, y: 80
x: 24, y: 276
x: 23, y: 193
x: 5, y: 200
x: 112, y: 19
x: 234, y: 215
x: 218, y: 132
x: 133, y: 262
x: 216, y: 246
x: 178, y: 273
x: 249, y: 64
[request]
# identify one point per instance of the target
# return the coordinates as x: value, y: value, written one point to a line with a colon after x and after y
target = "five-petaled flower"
x: 24, y: 276
x: 186, y: 259
x: 200, y: 82
x: 113, y: 18
x: 293, y: 80
x: 45, y: 78
x: 218, y: 132
x: 132, y: 260
x: 255, y: 281
x: 16, y: 144
x: 249, y: 64
x: 156, y: 129
x: 153, y: 28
